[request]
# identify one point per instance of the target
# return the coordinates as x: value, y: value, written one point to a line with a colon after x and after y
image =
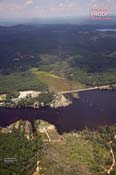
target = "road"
x: 87, y: 89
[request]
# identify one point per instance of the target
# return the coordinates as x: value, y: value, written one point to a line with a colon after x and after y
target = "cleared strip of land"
x: 87, y: 89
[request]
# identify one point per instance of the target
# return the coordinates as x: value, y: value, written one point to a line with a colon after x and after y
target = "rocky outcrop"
x: 23, y: 126
x: 59, y: 101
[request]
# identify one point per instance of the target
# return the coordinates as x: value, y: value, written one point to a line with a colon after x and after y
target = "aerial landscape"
x: 57, y: 87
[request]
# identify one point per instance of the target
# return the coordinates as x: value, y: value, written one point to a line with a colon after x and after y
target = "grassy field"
x: 34, y: 79
x: 54, y: 82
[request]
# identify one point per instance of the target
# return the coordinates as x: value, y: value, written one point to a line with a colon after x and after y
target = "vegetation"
x: 56, y: 83
x: 10, y: 95
x: 80, y: 153
x: 43, y: 99
x: 81, y: 54
x: 35, y: 80
x: 56, y: 58
x: 20, y: 81
x: 15, y: 146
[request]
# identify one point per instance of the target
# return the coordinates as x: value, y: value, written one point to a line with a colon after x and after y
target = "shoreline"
x: 59, y: 99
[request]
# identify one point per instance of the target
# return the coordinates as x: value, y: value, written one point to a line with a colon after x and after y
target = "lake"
x: 106, y: 30
x: 93, y: 109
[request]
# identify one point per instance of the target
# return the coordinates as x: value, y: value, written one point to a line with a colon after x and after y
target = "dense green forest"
x: 16, y: 146
x: 76, y: 52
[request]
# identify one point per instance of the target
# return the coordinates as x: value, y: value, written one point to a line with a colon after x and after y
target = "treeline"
x: 21, y: 81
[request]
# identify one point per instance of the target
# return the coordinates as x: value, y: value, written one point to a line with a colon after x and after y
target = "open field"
x: 34, y: 79
x: 54, y: 82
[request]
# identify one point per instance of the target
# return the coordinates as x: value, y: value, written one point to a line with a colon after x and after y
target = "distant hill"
x: 56, y: 20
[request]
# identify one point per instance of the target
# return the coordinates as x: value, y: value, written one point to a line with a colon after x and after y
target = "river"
x: 93, y: 109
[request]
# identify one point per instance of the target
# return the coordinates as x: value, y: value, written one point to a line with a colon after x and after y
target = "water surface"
x: 106, y: 30
x: 94, y: 109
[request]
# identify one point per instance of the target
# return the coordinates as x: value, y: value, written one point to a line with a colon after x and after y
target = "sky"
x: 52, y: 8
